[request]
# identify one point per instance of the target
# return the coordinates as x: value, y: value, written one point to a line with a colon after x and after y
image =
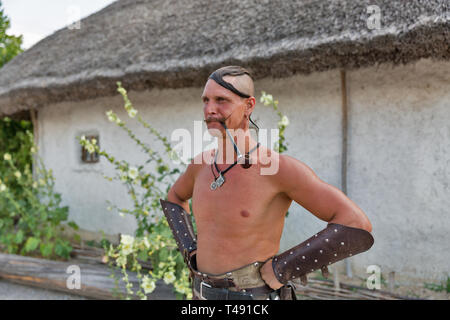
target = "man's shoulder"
x: 289, y: 167
x: 204, y: 157
x: 197, y: 163
x: 272, y: 163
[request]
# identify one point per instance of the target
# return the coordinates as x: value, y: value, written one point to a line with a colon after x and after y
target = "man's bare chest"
x: 244, y: 196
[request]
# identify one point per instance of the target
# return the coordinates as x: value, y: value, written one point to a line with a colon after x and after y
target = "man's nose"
x: 210, y: 108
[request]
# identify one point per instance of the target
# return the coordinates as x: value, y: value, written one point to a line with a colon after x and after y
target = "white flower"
x: 123, y: 177
x: 133, y: 173
x: 111, y: 116
x: 33, y: 150
x: 121, y: 260
x: 122, y: 91
x: 266, y: 99
x: 7, y: 156
x: 132, y: 112
x: 90, y: 148
x: 2, y: 187
x: 284, y: 121
x: 127, y: 244
x: 173, y: 155
x: 148, y: 284
x: 178, y: 287
x: 146, y: 243
x: 126, y: 239
x: 17, y: 174
x: 121, y: 214
x: 169, y: 277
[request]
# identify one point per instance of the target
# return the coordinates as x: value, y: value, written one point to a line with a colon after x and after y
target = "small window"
x: 90, y: 157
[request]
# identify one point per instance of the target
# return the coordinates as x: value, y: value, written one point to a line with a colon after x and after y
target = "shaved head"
x: 238, y: 77
x: 243, y: 83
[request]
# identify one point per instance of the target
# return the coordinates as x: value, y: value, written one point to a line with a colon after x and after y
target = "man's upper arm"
x: 301, y: 184
x: 183, y: 188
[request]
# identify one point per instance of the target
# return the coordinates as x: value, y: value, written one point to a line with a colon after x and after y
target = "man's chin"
x: 213, y: 129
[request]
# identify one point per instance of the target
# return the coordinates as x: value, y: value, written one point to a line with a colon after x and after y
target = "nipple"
x: 245, y: 213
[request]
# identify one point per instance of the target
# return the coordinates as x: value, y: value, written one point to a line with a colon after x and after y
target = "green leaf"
x: 63, y: 248
x: 19, y: 237
x: 143, y: 255
x: 73, y: 225
x: 162, y: 168
x: 163, y: 254
x: 31, y: 244
x: 46, y: 249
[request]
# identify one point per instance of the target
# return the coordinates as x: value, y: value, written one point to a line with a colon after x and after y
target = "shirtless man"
x: 240, y: 223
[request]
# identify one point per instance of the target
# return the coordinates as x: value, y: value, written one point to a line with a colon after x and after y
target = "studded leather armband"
x: 334, y: 243
x: 181, y: 226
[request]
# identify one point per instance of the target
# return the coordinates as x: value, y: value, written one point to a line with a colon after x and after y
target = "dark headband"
x: 217, y: 76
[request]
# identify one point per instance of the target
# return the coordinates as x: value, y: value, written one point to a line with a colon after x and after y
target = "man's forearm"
x: 334, y: 243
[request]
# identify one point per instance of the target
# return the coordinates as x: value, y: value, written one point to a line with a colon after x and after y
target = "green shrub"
x: 30, y: 213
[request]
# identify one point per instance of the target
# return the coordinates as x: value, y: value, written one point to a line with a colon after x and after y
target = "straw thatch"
x: 177, y: 43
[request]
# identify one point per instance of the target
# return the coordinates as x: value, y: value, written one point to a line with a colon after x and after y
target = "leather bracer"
x: 180, y: 224
x: 334, y: 243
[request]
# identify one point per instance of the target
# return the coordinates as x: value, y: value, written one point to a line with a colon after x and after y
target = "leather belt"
x: 209, y: 292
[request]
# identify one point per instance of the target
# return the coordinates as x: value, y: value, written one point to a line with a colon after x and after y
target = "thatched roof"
x: 177, y: 43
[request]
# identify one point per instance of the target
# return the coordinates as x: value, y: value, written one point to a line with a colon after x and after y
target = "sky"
x: 37, y: 19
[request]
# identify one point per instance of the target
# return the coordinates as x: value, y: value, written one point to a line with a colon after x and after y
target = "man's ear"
x: 251, y: 102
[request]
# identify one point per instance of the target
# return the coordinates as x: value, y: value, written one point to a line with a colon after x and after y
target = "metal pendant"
x: 220, y: 180
x: 217, y: 183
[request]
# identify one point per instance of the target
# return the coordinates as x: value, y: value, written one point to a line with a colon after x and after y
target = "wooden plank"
x: 325, y: 287
x: 95, y: 279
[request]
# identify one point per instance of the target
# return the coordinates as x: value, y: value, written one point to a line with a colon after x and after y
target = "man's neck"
x: 243, y: 141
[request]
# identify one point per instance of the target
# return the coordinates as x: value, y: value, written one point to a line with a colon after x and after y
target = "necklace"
x: 220, y: 180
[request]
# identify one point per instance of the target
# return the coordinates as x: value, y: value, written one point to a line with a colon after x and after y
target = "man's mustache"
x: 221, y: 120
x: 210, y: 119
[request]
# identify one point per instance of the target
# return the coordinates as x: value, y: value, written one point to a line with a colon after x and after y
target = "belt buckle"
x: 201, y: 289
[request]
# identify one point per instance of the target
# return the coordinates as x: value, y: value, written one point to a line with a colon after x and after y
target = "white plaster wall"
x: 313, y: 106
x: 399, y: 154
x: 399, y: 165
